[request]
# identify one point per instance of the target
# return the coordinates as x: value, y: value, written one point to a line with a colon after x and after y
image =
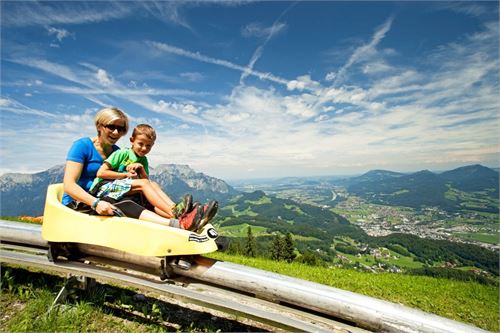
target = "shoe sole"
x: 197, y: 218
x: 208, y: 215
x: 188, y: 198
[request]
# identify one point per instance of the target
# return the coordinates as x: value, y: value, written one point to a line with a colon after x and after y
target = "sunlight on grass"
x: 469, y: 302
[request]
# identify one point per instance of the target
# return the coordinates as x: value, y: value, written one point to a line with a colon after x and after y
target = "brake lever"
x: 118, y: 212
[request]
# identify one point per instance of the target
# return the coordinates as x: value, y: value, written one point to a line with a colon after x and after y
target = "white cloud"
x: 192, y: 76
x: 52, y: 68
x: 4, y: 102
x: 472, y: 8
x: 302, y: 82
x: 376, y: 67
x: 15, y: 107
x: 256, y: 29
x: 59, y: 12
x: 29, y: 13
x: 59, y: 33
x: 330, y: 76
x: 166, y: 11
x: 178, y: 109
x: 103, y: 77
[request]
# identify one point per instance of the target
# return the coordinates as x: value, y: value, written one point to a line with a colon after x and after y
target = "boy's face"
x: 141, y: 145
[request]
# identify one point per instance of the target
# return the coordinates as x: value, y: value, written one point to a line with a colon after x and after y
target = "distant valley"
x: 458, y: 205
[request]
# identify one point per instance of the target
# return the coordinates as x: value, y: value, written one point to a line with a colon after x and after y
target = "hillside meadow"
x: 469, y: 302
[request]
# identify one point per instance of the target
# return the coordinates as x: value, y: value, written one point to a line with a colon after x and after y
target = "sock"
x: 175, y: 223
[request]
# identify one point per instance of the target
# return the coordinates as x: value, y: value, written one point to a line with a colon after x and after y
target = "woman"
x: 85, y: 157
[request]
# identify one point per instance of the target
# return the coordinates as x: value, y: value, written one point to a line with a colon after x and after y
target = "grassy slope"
x: 27, y: 295
x: 467, y: 302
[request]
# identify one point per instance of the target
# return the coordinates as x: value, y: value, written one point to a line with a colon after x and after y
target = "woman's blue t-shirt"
x: 83, y: 151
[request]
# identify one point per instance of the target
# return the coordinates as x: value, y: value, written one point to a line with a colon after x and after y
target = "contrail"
x: 360, y: 51
x: 258, y: 52
x: 224, y: 63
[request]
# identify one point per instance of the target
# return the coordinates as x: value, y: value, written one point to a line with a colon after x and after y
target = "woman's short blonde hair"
x: 107, y: 115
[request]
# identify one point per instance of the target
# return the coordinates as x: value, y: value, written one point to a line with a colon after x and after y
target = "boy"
x: 126, y: 172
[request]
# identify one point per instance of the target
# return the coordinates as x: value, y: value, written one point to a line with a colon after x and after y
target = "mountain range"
x: 450, y: 190
x: 24, y: 194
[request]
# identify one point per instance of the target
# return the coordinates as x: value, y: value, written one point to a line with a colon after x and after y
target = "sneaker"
x: 183, y: 207
x: 193, y: 218
x: 209, y: 211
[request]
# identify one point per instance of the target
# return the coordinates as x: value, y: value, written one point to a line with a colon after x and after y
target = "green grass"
x: 303, y: 238
x: 398, y: 193
x: 26, y: 306
x: 262, y: 201
x: 78, y: 317
x: 241, y: 230
x: 295, y: 208
x: 468, y: 302
x: 480, y: 237
x: 368, y: 259
x: 472, y: 200
x: 237, y: 213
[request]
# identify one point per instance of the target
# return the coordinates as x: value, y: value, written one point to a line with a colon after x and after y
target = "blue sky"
x: 246, y: 89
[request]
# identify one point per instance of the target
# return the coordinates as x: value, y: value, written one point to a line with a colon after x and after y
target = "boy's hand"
x: 138, y: 169
x: 134, y: 167
x: 131, y: 174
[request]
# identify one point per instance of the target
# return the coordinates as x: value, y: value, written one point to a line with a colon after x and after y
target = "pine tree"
x: 250, y: 245
x: 235, y: 247
x: 277, y: 248
x: 288, y: 248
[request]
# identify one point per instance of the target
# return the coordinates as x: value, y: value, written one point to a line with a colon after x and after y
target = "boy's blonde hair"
x: 107, y: 115
x: 146, y: 130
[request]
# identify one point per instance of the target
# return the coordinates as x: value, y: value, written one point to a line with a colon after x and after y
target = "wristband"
x: 95, y: 203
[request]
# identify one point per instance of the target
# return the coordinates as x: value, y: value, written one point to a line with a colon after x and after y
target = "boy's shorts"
x: 115, y: 189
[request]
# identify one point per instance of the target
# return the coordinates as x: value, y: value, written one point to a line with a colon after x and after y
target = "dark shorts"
x: 128, y: 206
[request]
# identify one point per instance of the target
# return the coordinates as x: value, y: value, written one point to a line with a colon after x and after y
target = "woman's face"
x: 112, y: 132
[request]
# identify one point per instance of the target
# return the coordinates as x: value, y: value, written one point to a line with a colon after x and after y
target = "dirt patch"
x: 9, y: 306
x: 31, y: 219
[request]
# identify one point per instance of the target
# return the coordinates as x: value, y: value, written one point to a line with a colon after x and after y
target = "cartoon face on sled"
x: 64, y: 225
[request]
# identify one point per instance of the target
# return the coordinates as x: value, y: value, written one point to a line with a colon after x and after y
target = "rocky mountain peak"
x: 24, y: 194
x: 180, y: 170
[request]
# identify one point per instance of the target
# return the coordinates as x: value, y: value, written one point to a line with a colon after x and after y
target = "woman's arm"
x: 72, y: 173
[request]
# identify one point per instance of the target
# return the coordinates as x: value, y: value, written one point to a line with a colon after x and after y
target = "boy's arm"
x: 106, y: 172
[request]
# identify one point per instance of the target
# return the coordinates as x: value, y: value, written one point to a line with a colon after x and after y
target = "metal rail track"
x: 186, y: 290
x: 281, y: 293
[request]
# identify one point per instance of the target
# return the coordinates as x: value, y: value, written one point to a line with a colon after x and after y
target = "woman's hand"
x: 104, y: 208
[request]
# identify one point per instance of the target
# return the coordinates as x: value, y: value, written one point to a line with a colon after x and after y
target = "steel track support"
x: 72, y: 283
